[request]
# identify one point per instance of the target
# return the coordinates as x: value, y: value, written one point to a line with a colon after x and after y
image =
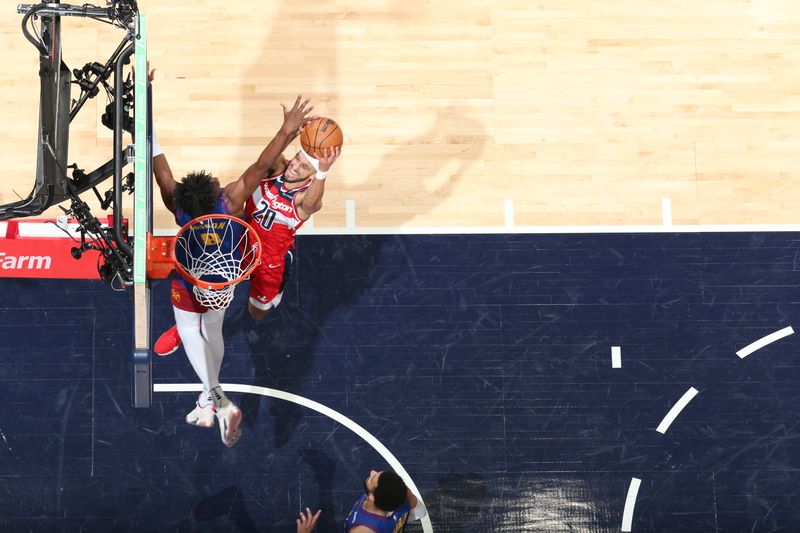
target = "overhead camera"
x: 127, y: 106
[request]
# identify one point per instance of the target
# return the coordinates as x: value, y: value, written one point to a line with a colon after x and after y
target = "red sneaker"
x: 168, y: 342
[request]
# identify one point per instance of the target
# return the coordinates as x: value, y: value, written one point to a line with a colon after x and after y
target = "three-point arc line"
x: 763, y: 341
x: 633, y: 489
x: 630, y: 503
x: 669, y: 418
x: 427, y: 527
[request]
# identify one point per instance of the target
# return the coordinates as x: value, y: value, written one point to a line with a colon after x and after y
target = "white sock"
x: 211, y: 327
x: 217, y: 396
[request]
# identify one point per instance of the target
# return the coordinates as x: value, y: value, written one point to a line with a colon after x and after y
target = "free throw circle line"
x: 676, y: 410
x: 763, y: 341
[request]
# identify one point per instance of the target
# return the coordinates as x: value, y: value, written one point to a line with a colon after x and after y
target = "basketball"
x: 319, y: 134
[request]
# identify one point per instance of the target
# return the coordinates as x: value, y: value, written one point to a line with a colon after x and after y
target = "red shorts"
x: 268, y: 280
x: 184, y: 299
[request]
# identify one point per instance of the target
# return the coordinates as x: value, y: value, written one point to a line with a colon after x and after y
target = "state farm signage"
x: 25, y: 262
x: 44, y: 258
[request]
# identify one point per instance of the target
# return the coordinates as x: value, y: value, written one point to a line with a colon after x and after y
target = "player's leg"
x: 258, y: 313
x: 211, y: 327
x: 170, y: 340
x: 266, y: 292
x: 199, y: 354
x: 229, y: 415
x: 266, y: 285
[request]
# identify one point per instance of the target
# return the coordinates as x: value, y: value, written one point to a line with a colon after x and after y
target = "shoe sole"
x: 175, y: 349
x: 192, y: 419
x: 195, y: 423
x: 232, y: 440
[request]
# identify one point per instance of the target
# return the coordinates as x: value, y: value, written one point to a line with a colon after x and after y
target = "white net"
x: 217, y: 299
x: 217, y: 253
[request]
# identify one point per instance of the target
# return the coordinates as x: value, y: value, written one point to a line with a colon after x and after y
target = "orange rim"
x: 252, y: 240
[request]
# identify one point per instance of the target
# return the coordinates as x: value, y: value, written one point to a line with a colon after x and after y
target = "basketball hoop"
x: 214, y: 253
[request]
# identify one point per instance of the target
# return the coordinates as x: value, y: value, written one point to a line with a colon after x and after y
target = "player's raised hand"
x: 151, y: 73
x: 296, y: 117
x: 328, y: 157
x: 307, y: 521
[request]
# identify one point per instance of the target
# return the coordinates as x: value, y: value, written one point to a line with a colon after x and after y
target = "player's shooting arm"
x: 311, y: 202
x: 293, y: 120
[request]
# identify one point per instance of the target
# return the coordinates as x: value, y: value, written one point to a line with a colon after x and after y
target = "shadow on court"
x: 282, y: 347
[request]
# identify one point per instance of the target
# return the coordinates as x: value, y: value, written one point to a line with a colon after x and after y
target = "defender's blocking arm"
x: 293, y: 120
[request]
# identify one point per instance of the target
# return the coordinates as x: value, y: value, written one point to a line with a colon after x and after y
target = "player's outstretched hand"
x: 307, y: 521
x: 296, y: 117
x: 151, y: 73
x: 328, y: 157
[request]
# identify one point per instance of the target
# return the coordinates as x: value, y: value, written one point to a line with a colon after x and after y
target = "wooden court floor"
x: 578, y: 113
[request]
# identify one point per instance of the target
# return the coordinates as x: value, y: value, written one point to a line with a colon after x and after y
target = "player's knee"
x: 256, y: 313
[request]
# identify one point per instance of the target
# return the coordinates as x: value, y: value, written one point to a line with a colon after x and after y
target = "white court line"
x: 533, y: 230
x: 669, y: 418
x: 427, y: 527
x: 763, y: 341
x: 630, y: 503
x: 350, y: 213
x: 666, y: 211
x: 616, y: 357
x: 508, y: 209
x: 546, y: 230
x: 45, y: 230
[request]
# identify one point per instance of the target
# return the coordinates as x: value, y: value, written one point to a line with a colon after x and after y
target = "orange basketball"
x: 320, y: 133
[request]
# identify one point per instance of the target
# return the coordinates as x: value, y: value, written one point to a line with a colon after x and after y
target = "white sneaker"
x: 229, y: 419
x: 201, y: 416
